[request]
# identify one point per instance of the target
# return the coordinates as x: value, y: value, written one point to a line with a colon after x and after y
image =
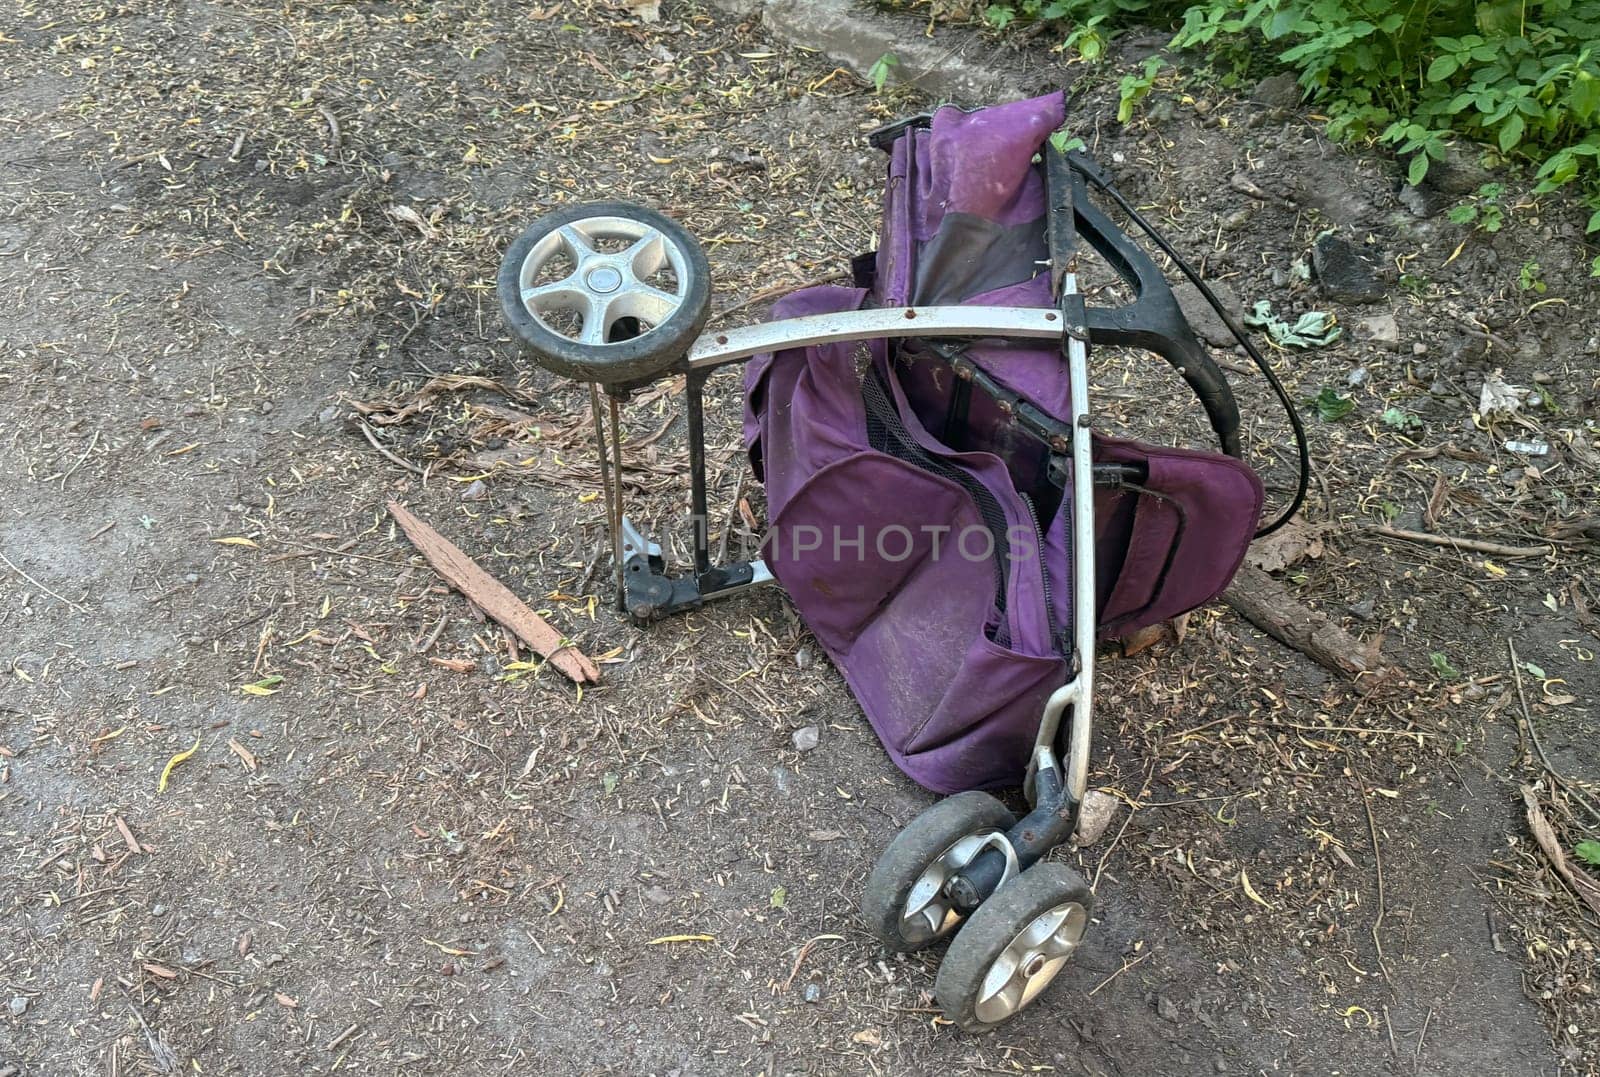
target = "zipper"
x: 1044, y: 569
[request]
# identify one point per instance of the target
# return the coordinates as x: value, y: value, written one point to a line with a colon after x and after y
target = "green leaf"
x: 1533, y: 670
x: 1594, y: 223
x: 999, y: 15
x: 879, y: 72
x: 1065, y: 143
x: 779, y: 896
x: 1511, y: 132
x: 1588, y: 852
x: 1463, y: 214
x: 1441, y: 665
x: 1399, y: 419
x: 1418, y: 169
x: 1332, y: 406
x: 1442, y: 68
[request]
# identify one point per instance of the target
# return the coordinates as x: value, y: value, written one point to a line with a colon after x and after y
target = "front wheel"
x: 905, y: 903
x: 1010, y: 950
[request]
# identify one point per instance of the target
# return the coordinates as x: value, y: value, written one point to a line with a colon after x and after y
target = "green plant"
x: 1331, y: 405
x: 1135, y: 88
x: 1400, y: 419
x: 1519, y: 76
x: 1483, y: 212
x: 1441, y: 665
x: 878, y: 73
x: 1588, y: 852
x: 1530, y: 276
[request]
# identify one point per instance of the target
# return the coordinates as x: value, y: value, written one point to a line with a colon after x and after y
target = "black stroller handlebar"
x: 1155, y: 322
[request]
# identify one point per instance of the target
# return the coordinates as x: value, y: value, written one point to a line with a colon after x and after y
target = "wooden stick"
x: 1474, y: 545
x: 494, y: 598
x: 1265, y: 603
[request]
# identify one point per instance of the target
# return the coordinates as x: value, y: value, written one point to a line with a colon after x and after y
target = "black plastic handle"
x: 1154, y: 321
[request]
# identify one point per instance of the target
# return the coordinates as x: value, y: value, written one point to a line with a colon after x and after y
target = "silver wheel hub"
x: 604, y: 280
x: 929, y: 914
x: 1030, y: 961
x: 603, y: 285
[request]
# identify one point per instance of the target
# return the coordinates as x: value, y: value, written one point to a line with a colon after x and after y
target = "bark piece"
x: 494, y: 598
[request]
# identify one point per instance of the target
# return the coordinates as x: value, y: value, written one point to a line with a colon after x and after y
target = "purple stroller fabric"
x: 927, y: 552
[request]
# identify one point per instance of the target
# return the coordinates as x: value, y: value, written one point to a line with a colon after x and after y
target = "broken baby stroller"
x: 940, y: 511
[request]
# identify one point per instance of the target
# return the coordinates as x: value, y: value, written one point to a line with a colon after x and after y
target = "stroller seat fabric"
x: 916, y: 528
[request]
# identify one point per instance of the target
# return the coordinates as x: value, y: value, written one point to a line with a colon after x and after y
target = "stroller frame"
x: 1055, y: 783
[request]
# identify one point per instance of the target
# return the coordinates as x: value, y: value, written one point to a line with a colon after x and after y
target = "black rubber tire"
x: 628, y: 363
x: 990, y: 930
x: 913, y: 849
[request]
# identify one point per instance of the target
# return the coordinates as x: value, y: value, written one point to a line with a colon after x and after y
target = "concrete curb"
x: 952, y: 65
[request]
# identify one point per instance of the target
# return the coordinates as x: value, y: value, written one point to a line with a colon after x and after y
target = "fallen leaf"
x: 680, y: 938
x: 1250, y: 891
x: 236, y: 540
x: 172, y: 764
x: 285, y: 1000
x: 244, y: 754
x: 161, y: 971
x: 264, y: 687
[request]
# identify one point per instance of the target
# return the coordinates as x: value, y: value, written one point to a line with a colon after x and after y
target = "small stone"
x: 476, y: 491
x: 655, y: 895
x: 1356, y: 378
x: 266, y: 407
x: 805, y: 657
x: 19, y: 1006
x: 1362, y: 609
x: 813, y: 993
x: 158, y: 909
x: 1344, y: 272
x: 1094, y: 816
x: 1166, y: 1008
x: 1277, y: 91
x: 1425, y: 201
x: 1419, y: 348
x: 1380, y: 329
x: 807, y: 738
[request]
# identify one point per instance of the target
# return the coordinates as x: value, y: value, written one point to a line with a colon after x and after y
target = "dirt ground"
x: 400, y: 847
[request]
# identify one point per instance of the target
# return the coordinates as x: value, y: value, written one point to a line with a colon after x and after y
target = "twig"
x: 1423, y: 1036
x: 805, y: 950
x: 94, y: 441
x: 1101, y: 866
x: 1377, y: 860
x: 1126, y: 965
x: 60, y: 598
x: 376, y: 444
x: 1474, y: 545
x: 780, y: 289
x: 1533, y: 735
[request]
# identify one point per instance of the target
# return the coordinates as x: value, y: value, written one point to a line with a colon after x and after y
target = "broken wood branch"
x: 1268, y: 605
x: 494, y: 598
x: 1470, y: 545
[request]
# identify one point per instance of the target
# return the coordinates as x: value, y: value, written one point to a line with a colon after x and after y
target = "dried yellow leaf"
x: 236, y: 540
x: 680, y: 938
x: 172, y: 764
x: 1250, y: 891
